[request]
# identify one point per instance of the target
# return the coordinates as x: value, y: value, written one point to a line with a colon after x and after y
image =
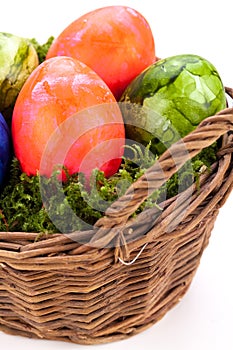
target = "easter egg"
x: 172, y: 97
x: 18, y: 58
x: 5, y: 149
x: 115, y: 41
x: 56, y: 119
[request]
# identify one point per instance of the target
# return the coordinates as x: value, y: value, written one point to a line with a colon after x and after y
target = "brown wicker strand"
x: 171, y: 161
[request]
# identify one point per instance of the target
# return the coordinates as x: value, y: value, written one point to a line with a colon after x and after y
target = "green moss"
x: 42, y: 49
x: 22, y: 208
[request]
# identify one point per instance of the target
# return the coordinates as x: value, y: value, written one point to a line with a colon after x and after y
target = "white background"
x: 204, y: 317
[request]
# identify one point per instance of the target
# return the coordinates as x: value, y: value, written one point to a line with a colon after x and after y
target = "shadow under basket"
x: 125, y: 274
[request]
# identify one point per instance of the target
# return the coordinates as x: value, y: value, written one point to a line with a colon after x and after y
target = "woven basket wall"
x: 60, y: 289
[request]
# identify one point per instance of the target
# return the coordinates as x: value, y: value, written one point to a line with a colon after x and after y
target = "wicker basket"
x: 133, y: 270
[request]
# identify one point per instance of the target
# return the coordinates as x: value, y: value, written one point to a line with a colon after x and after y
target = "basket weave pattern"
x: 60, y: 289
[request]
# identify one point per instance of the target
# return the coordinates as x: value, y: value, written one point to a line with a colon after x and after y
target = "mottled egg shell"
x: 18, y: 58
x: 115, y: 41
x: 66, y: 115
x: 170, y: 98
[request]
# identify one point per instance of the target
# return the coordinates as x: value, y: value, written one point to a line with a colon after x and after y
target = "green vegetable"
x: 18, y: 58
x: 170, y: 98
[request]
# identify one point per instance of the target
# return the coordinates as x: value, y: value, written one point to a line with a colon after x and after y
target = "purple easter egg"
x: 5, y: 149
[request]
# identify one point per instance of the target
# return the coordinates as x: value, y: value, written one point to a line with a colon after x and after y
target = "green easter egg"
x: 170, y: 98
x: 18, y: 58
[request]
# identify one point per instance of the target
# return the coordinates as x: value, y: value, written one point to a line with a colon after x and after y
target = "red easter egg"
x: 115, y: 41
x: 66, y: 115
